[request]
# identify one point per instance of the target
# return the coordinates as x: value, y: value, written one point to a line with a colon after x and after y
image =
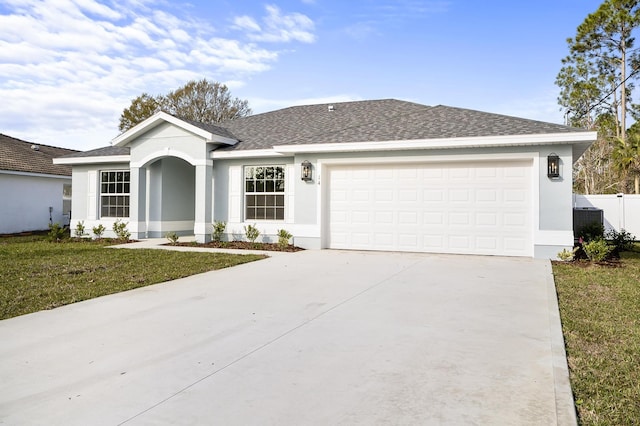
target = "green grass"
x: 600, y: 311
x: 36, y: 274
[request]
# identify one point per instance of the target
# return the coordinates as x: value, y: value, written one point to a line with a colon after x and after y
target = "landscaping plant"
x: 621, y: 241
x: 121, y: 231
x: 98, y: 231
x: 283, y: 238
x: 56, y: 233
x: 79, y: 231
x: 597, y: 250
x: 218, y: 229
x: 567, y: 255
x: 251, y: 232
x: 172, y: 237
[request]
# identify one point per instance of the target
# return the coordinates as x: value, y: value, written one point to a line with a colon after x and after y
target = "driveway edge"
x: 565, y: 407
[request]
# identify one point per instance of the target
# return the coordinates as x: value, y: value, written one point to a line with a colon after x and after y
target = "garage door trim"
x: 325, y: 166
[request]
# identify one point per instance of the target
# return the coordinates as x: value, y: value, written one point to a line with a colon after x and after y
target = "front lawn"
x: 36, y: 274
x: 600, y: 311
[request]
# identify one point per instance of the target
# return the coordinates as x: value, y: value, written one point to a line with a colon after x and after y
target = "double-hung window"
x: 264, y: 192
x: 114, y: 193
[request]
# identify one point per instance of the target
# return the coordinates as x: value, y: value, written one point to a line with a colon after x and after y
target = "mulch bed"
x: 582, y: 260
x: 239, y: 245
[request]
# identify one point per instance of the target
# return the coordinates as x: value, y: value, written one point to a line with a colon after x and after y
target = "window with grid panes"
x: 264, y: 192
x: 114, y: 193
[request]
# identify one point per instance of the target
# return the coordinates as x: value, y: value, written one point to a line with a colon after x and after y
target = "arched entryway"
x: 170, y: 201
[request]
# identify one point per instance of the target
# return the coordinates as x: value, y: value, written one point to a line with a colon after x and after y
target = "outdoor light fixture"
x: 553, y: 166
x: 306, y: 171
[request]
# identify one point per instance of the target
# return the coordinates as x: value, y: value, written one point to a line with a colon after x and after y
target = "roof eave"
x: 573, y: 138
x: 247, y: 153
x: 103, y: 159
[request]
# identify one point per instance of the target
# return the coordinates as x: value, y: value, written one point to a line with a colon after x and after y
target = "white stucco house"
x: 369, y: 175
x: 34, y: 191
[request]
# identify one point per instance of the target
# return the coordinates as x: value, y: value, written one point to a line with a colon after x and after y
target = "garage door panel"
x: 449, y: 208
x: 384, y: 217
x: 408, y: 217
x: 487, y: 243
x: 487, y: 219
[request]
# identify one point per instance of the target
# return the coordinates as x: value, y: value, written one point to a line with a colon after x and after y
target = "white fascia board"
x: 93, y: 160
x: 33, y: 174
x: 160, y: 117
x: 444, y: 143
x: 248, y: 153
x: 221, y: 139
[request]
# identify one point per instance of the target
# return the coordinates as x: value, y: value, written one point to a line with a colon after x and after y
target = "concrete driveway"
x: 315, y: 337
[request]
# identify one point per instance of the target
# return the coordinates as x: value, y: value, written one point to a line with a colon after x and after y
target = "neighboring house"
x: 33, y: 190
x: 384, y: 175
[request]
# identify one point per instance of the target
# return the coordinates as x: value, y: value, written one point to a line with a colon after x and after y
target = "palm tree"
x: 626, y: 156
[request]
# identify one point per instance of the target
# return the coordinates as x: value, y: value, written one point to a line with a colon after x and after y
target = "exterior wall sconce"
x: 306, y: 171
x: 553, y: 166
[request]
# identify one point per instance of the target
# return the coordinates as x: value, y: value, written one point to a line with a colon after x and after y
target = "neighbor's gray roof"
x: 379, y: 120
x: 18, y: 156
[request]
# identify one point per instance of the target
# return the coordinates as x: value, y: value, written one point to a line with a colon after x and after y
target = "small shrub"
x: 79, y: 230
x: 597, y: 250
x: 121, y: 231
x: 621, y: 241
x: 283, y: 238
x: 251, y: 232
x: 567, y: 255
x: 56, y: 233
x: 98, y: 231
x: 172, y: 237
x: 218, y: 230
x: 591, y: 231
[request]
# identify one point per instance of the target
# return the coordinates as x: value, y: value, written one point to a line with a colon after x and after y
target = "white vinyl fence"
x: 621, y: 211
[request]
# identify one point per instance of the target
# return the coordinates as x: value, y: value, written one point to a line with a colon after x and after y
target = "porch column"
x: 204, y: 192
x: 137, y: 203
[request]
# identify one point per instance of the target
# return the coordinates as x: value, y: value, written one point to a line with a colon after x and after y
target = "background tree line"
x: 596, y: 85
x: 202, y: 101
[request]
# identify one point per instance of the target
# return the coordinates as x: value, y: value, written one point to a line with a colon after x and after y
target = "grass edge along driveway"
x: 600, y: 312
x: 36, y: 275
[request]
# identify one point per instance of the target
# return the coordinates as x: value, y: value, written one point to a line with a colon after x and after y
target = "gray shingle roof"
x: 378, y: 120
x: 19, y: 156
x: 360, y: 121
x: 211, y: 128
x: 101, y: 152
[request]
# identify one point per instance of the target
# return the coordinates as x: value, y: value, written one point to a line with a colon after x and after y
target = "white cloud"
x: 69, y: 67
x: 246, y: 23
x: 278, y: 27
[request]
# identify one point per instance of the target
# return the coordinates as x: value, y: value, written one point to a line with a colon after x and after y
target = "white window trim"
x: 284, y: 194
x: 101, y: 194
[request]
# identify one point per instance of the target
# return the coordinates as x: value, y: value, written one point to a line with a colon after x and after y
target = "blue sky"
x: 69, y: 67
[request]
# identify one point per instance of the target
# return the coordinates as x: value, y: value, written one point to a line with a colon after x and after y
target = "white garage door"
x: 471, y: 208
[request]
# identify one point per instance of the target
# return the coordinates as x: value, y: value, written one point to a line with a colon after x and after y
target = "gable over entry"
x: 379, y: 175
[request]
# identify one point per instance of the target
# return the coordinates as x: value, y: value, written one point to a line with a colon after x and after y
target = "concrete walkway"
x: 314, y: 337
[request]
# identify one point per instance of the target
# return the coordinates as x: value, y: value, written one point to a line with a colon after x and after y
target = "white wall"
x: 25, y: 201
x: 621, y: 211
